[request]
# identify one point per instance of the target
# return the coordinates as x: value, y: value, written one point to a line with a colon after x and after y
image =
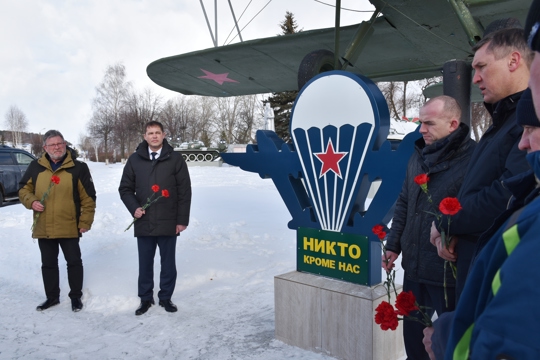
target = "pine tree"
x: 289, y: 25
x: 282, y: 102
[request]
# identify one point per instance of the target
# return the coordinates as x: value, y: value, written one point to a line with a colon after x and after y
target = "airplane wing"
x: 411, y: 40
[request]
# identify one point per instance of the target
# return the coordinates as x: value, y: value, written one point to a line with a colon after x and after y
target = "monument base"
x: 333, y: 317
x: 204, y: 163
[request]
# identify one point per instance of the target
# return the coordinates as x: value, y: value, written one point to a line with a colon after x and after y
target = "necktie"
x: 153, y: 156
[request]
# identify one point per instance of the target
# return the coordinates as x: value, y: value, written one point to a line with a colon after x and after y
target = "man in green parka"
x: 60, y: 191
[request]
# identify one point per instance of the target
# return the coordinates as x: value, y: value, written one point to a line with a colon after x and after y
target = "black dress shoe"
x: 168, y: 305
x: 47, y: 304
x: 145, y: 305
x: 76, y: 304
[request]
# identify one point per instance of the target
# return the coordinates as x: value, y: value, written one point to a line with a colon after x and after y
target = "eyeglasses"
x: 56, y: 145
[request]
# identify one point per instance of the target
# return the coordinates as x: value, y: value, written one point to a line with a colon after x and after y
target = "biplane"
x: 403, y: 40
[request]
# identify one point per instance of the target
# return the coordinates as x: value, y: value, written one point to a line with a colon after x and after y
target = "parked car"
x: 13, y: 164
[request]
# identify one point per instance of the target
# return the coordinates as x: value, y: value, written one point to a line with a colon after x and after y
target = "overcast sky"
x: 55, y: 52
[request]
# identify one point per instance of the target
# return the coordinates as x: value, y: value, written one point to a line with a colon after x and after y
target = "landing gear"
x: 314, y: 63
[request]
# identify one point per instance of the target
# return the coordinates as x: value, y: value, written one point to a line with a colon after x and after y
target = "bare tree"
x: 17, y: 123
x: 249, y: 118
x: 177, y: 116
x: 132, y: 122
x: 150, y: 107
x: 36, y: 144
x: 227, y: 110
x: 206, y: 115
x: 85, y: 144
x: 480, y: 119
x: 168, y: 118
x: 392, y: 93
x: 188, y: 119
x: 109, y: 103
x: 139, y: 109
x: 95, y: 143
x: 402, y: 97
x: 125, y: 132
x: 237, y: 119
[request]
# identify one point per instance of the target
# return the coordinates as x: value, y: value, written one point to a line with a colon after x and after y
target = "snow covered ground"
x: 237, y: 241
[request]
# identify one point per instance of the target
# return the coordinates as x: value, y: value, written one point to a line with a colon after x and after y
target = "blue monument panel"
x: 339, y: 126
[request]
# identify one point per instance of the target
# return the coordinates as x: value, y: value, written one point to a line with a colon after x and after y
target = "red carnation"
x: 449, y: 206
x: 55, y: 180
x: 151, y: 200
x: 405, y: 303
x: 386, y: 316
x: 381, y: 235
x: 421, y: 179
x: 377, y: 229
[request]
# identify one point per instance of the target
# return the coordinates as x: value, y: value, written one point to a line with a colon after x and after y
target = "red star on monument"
x: 330, y: 159
x: 219, y: 78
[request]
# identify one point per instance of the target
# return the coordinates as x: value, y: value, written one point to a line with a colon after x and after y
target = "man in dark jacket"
x: 442, y: 154
x: 156, y: 174
x: 524, y: 189
x: 60, y: 191
x: 501, y: 63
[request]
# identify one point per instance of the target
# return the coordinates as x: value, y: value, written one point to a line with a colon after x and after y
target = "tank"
x: 196, y: 151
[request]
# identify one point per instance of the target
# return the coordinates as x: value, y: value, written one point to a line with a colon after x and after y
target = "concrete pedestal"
x: 204, y: 163
x: 333, y: 317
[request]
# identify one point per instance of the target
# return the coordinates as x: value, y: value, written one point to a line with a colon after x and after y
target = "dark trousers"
x: 432, y: 297
x: 167, y: 278
x: 49, y: 266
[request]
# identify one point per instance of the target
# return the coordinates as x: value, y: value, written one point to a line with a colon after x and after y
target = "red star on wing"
x: 330, y: 159
x: 219, y: 78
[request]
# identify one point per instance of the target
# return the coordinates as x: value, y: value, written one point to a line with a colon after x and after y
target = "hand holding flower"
x: 39, y: 206
x: 140, y: 211
x: 388, y: 260
x: 444, y: 242
x: 447, y: 253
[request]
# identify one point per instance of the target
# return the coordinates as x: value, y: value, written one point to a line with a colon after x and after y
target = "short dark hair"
x: 501, y: 42
x: 153, y: 123
x: 50, y: 134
